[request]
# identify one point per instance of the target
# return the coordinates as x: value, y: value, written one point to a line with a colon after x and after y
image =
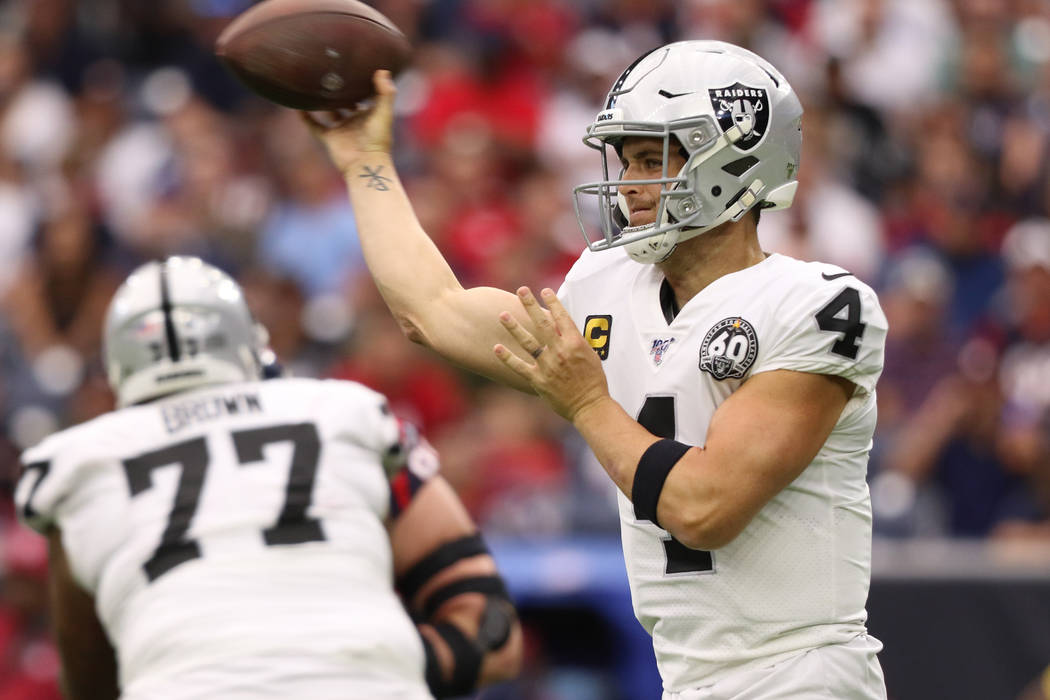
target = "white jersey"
x: 234, y: 540
x: 797, y: 577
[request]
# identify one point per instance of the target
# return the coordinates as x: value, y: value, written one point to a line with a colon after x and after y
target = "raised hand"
x: 347, y: 135
x: 564, y: 371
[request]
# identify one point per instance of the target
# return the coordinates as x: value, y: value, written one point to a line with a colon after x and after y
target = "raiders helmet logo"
x: 743, y: 106
x: 729, y: 349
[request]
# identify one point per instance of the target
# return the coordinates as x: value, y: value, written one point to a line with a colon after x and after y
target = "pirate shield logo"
x: 745, y: 107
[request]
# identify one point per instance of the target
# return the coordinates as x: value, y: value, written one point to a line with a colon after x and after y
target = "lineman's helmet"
x: 177, y: 325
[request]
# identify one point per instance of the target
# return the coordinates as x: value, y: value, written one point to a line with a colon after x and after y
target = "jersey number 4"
x: 292, y: 526
x: 658, y: 417
x: 842, y: 315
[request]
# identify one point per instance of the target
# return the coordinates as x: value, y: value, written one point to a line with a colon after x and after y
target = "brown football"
x: 312, y: 54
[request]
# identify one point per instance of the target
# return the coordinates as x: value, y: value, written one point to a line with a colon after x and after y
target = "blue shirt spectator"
x: 316, y: 245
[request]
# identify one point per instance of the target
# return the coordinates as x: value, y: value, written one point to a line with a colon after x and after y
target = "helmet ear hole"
x: 716, y: 191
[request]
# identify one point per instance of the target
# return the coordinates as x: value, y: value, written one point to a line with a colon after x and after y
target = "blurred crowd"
x: 925, y: 171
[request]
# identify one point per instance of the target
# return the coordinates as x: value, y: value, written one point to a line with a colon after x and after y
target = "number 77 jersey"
x: 236, y: 526
x: 797, y: 577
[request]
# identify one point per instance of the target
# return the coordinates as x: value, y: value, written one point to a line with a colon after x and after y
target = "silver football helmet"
x: 738, y: 122
x: 177, y: 325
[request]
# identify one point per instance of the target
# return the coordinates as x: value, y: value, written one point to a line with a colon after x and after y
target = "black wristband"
x: 654, y: 466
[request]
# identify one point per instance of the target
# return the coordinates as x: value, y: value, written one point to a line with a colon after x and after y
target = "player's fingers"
x: 320, y: 122
x: 537, y: 313
x: 525, y: 339
x: 384, y: 83
x: 513, y: 361
x: 561, y: 318
x: 385, y: 93
x: 313, y: 123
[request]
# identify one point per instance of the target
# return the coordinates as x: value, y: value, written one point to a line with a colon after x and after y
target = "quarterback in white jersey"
x: 239, y: 538
x: 729, y: 394
x: 797, y: 576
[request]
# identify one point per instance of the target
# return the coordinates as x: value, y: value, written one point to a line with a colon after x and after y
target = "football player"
x: 729, y: 393
x: 220, y: 536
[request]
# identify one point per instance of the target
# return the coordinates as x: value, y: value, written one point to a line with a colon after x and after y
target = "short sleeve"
x: 407, y: 457
x: 832, y: 329
x: 371, y: 423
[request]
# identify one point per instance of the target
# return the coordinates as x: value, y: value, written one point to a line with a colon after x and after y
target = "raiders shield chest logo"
x: 729, y: 349
x: 743, y: 106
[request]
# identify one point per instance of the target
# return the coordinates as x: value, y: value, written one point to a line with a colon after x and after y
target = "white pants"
x: 848, y: 671
x: 281, y: 677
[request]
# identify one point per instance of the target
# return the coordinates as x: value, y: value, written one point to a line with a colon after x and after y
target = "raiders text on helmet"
x: 177, y: 325
x: 738, y: 121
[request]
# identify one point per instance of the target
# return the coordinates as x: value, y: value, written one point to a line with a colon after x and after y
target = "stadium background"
x: 925, y: 172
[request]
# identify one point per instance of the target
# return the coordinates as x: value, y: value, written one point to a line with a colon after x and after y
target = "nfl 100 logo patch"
x: 729, y: 349
x: 658, y: 350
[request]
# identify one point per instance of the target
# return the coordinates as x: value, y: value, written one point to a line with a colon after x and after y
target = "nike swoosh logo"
x: 835, y: 276
x: 670, y: 95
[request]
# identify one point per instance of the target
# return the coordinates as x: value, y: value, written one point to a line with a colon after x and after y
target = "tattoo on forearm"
x: 375, y: 180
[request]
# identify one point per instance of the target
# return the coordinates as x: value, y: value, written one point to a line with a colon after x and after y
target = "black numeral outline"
x: 658, y: 416
x: 41, y: 469
x: 192, y: 457
x: 293, y: 526
x: 851, y: 327
x: 174, y: 547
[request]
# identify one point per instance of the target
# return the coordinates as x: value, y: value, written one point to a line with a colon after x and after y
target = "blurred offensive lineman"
x: 240, y: 539
x: 737, y: 403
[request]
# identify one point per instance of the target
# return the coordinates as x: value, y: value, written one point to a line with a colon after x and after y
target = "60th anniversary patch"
x: 729, y: 349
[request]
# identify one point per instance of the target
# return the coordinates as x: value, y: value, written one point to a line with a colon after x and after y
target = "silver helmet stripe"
x: 165, y: 306
x: 615, y: 91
